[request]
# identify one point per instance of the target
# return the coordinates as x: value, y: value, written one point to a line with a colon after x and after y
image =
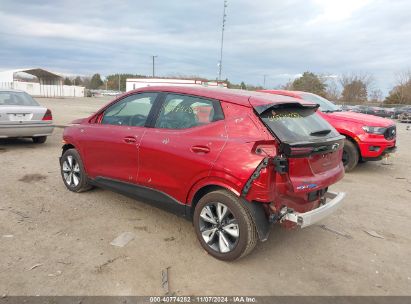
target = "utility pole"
x: 220, y: 64
x: 153, y: 63
x: 264, y: 81
x: 119, y: 82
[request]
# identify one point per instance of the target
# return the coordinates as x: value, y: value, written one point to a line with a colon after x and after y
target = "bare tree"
x: 376, y: 95
x: 355, y: 87
x: 401, y: 93
x: 332, y: 91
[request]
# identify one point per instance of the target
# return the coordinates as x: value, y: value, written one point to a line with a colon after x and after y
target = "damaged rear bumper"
x: 334, y: 201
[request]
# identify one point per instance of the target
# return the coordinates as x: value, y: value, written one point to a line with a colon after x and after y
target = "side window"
x: 183, y: 112
x: 130, y: 111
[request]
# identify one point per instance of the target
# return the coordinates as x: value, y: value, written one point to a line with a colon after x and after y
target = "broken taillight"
x: 267, y: 148
x: 48, y: 115
x: 300, y: 151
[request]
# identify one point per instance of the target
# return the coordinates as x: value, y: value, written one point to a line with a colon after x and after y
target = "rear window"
x: 292, y: 124
x: 16, y: 99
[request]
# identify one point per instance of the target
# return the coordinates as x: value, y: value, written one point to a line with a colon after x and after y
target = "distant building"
x: 136, y: 83
x: 39, y: 83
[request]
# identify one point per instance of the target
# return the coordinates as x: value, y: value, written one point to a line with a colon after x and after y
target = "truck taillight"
x: 47, y: 115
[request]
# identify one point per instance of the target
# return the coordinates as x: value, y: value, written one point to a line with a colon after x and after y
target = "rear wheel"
x: 72, y: 172
x: 350, y: 156
x: 224, y: 226
x: 39, y: 139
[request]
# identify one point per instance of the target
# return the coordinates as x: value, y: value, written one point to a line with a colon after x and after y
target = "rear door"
x: 182, y: 144
x: 110, y: 145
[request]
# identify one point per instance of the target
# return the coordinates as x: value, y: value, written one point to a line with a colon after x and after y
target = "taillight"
x: 47, y: 115
x: 266, y: 148
x: 300, y: 151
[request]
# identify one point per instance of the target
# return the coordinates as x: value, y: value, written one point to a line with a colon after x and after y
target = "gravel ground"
x: 55, y: 242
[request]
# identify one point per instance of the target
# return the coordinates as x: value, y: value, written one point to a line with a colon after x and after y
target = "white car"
x: 22, y: 116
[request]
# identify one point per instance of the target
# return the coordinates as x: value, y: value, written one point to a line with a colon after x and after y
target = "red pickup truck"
x: 367, y: 137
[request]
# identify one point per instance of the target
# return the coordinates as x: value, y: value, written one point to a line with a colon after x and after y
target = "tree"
x: 376, y: 95
x: 355, y: 88
x: 310, y: 82
x: 112, y: 80
x: 332, y: 91
x: 78, y: 81
x: 67, y: 81
x: 401, y: 93
x: 95, y: 82
x: 243, y: 86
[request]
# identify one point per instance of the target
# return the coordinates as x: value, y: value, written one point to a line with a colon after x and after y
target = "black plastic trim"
x: 324, y: 146
x: 385, y: 152
x: 148, y: 195
x: 260, y: 218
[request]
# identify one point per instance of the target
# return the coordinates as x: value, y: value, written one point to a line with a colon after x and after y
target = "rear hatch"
x: 309, y: 146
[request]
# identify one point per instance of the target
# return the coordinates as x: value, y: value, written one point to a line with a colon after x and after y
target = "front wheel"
x: 224, y: 226
x: 72, y: 172
x: 350, y: 156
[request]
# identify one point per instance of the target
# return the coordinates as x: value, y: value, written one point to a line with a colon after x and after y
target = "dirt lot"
x: 66, y: 236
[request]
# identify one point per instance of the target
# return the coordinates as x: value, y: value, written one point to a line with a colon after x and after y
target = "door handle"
x: 200, y: 149
x: 129, y: 139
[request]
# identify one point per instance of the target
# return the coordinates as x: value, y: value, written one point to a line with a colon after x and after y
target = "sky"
x: 279, y: 39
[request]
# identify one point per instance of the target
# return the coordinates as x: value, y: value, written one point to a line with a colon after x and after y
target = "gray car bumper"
x: 32, y: 130
x: 311, y: 217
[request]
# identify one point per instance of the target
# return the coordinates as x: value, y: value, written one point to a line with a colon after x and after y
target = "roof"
x: 241, y: 97
x: 8, y: 76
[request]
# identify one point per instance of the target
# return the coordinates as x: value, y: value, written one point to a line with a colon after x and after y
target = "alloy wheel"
x: 71, y: 171
x: 219, y: 228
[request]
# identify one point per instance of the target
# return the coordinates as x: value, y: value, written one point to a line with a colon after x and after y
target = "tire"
x: 213, y: 230
x: 73, y: 173
x: 350, y: 155
x: 39, y: 139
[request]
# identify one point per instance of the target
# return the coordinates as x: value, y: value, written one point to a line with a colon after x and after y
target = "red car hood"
x: 366, y: 120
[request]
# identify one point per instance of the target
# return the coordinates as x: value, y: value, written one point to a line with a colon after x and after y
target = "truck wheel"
x: 350, y: 156
x: 73, y: 173
x: 224, y: 226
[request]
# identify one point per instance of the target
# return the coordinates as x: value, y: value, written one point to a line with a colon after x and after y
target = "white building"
x: 38, y: 83
x: 136, y: 83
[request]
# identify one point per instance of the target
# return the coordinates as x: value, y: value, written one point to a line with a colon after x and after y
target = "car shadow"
x: 16, y: 143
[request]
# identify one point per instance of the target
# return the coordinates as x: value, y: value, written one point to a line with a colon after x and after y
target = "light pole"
x: 264, y: 81
x: 153, y: 63
x: 220, y: 64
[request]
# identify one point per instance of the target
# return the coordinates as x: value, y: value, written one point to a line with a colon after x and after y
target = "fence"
x: 42, y: 90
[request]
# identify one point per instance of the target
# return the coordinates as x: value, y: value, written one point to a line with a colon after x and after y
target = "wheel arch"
x: 255, y: 209
x: 351, y: 139
x: 66, y: 147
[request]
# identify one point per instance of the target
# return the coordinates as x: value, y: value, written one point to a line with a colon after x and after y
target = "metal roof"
x: 8, y: 76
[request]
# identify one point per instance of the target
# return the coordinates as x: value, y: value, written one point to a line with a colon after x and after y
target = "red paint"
x: 224, y: 153
x: 350, y: 125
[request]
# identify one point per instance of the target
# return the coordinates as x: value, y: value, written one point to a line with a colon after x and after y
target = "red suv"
x: 231, y: 161
x: 367, y: 137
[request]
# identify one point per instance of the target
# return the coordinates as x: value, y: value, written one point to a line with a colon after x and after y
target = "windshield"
x: 325, y: 105
x: 291, y: 124
x: 9, y: 98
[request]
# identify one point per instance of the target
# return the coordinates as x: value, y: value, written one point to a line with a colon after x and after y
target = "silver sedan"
x: 22, y: 116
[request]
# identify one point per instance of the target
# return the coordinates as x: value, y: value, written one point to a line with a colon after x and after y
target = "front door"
x: 111, y: 143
